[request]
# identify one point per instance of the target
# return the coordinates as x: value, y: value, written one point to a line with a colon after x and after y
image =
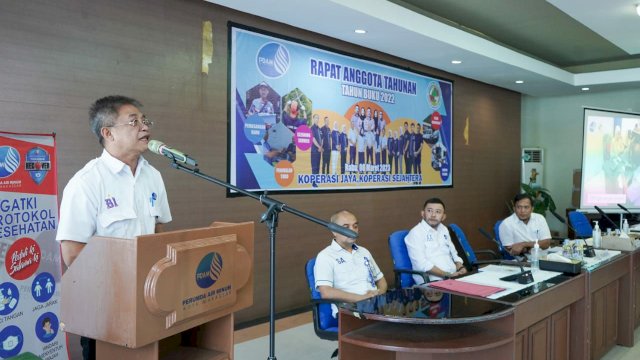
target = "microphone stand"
x: 270, y: 218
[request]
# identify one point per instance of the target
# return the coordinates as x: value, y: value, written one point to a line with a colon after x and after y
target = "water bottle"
x: 625, y: 227
x: 535, y: 257
x: 597, y: 236
x: 566, y: 248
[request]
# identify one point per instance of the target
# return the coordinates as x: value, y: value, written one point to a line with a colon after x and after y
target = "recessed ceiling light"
x: 638, y: 9
x: 519, y: 81
x: 456, y: 62
x: 585, y: 89
x: 360, y: 31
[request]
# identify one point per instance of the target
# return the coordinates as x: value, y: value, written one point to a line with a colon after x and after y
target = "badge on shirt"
x: 110, y: 201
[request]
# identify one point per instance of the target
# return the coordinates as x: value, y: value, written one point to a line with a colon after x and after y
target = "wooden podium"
x: 162, y: 296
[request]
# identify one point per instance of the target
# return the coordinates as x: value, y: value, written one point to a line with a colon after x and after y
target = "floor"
x: 296, y: 340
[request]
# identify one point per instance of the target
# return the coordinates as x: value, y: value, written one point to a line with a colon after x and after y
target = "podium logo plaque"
x: 171, y: 293
x: 209, y: 270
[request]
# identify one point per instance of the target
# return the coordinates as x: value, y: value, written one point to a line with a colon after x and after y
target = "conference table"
x: 561, y: 317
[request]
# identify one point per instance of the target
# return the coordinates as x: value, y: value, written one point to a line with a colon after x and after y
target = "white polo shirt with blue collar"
x: 355, y: 272
x: 429, y: 247
x: 105, y: 199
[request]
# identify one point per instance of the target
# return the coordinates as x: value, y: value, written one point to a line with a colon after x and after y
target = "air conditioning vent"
x: 532, y: 166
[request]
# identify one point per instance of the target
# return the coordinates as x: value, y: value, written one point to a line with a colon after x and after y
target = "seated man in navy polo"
x: 345, y: 271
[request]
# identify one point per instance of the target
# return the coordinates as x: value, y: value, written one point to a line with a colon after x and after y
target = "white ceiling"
x: 401, y: 32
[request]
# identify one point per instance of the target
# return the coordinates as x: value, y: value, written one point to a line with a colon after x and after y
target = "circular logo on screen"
x: 9, y: 161
x: 273, y: 60
x: 434, y: 95
x: 209, y: 270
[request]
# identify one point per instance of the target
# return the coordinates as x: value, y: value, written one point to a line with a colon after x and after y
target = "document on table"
x: 490, y: 276
x: 466, y: 287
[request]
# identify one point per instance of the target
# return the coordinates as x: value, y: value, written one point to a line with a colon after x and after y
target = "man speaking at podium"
x: 118, y: 194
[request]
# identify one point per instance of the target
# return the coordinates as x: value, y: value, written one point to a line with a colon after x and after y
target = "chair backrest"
x: 325, y: 325
x: 400, y: 257
x: 496, y: 232
x: 467, y: 254
x: 580, y: 224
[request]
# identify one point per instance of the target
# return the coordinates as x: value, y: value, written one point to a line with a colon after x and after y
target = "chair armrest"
x: 483, y: 262
x: 489, y: 252
x: 425, y: 277
x: 323, y: 301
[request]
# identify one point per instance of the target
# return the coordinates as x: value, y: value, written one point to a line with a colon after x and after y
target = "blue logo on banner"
x: 9, y: 297
x: 47, y: 327
x: 37, y: 163
x: 273, y: 60
x: 43, y: 287
x: 209, y: 270
x: 9, y: 161
x: 11, y: 340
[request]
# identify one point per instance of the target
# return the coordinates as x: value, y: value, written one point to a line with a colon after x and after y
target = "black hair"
x: 434, y: 201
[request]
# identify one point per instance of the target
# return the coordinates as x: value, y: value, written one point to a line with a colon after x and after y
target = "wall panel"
x: 58, y: 57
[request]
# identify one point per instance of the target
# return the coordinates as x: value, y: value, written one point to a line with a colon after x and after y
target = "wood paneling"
x: 57, y: 57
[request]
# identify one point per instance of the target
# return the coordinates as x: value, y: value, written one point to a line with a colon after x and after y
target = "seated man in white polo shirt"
x: 345, y: 271
x: 519, y: 231
x: 429, y: 245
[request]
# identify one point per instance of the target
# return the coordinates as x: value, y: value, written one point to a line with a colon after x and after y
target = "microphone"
x: 160, y: 148
x: 625, y: 209
x: 342, y: 230
x: 602, y: 213
x: 524, y: 277
x: 633, y: 218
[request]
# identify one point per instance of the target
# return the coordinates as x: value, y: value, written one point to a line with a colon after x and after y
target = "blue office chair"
x: 466, y: 252
x: 496, y: 231
x: 324, y: 324
x: 401, y: 262
x: 580, y: 225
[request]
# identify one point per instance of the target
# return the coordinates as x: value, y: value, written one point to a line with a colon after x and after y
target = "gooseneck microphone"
x: 523, y: 277
x: 625, y: 209
x: 604, y: 215
x: 161, y: 148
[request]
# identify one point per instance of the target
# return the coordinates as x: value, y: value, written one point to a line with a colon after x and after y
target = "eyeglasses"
x: 135, y: 122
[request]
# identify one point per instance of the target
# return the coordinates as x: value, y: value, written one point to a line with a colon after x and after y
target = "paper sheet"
x: 465, y: 287
x: 490, y: 276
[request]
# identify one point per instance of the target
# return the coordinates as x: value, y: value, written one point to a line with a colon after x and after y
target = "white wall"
x: 555, y: 124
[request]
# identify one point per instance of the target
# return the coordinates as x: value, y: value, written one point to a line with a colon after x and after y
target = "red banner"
x: 30, y: 277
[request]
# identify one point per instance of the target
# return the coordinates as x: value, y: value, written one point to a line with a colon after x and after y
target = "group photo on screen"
x: 611, y: 159
x: 305, y: 118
